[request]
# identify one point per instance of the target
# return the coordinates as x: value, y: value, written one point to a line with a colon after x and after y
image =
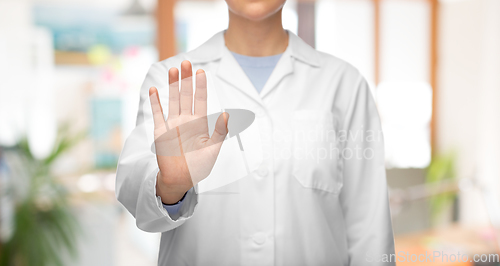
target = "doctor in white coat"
x: 318, y: 193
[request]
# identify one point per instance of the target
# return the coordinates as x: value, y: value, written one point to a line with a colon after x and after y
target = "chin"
x: 255, y: 10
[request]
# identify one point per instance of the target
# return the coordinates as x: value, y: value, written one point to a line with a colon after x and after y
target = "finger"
x: 200, y: 97
x: 173, y: 92
x: 158, y: 120
x: 186, y: 94
x: 221, y: 130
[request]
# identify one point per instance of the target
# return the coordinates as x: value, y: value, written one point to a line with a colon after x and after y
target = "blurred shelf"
x: 71, y: 58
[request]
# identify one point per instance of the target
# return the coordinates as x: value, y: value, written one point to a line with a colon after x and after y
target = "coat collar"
x: 229, y: 70
x: 214, y: 48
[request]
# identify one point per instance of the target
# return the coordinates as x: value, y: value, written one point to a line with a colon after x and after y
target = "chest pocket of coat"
x: 316, y: 151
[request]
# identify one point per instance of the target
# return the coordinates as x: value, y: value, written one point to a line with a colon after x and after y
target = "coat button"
x: 263, y: 171
x: 259, y: 238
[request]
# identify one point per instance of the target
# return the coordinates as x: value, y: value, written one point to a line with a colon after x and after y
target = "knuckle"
x: 200, y: 98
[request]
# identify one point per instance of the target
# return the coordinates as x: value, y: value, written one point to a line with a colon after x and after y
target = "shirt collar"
x: 213, y: 49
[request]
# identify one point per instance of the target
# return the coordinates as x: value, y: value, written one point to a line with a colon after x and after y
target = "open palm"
x: 185, y: 151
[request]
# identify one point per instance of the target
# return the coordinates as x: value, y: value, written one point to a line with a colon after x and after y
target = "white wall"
x: 469, y: 97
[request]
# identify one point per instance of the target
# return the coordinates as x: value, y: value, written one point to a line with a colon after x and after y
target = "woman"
x: 323, y: 202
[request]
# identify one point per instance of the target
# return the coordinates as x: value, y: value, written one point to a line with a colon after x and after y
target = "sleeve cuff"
x: 181, y: 210
x: 174, y: 208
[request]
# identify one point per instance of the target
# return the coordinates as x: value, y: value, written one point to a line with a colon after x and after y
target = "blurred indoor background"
x: 71, y: 70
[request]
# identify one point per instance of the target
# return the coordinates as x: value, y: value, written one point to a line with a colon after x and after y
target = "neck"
x: 256, y: 38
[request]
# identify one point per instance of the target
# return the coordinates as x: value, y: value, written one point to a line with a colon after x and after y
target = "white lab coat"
x: 309, y: 208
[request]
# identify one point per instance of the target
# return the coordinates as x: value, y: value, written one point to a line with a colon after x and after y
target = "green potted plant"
x: 440, y: 171
x: 45, y: 228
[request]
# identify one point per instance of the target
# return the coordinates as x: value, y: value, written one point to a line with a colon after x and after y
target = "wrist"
x: 177, y: 202
x: 169, y: 194
x: 170, y: 197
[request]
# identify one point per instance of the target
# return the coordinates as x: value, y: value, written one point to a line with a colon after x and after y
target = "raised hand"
x: 185, y: 151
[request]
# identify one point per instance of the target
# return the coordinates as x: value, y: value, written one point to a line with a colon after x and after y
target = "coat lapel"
x: 283, y: 68
x: 230, y: 71
x: 297, y: 50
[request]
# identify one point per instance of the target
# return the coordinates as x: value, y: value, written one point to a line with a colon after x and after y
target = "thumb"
x: 221, y: 129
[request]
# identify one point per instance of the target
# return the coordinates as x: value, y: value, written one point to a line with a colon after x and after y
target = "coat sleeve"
x: 364, y: 197
x: 138, y: 168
